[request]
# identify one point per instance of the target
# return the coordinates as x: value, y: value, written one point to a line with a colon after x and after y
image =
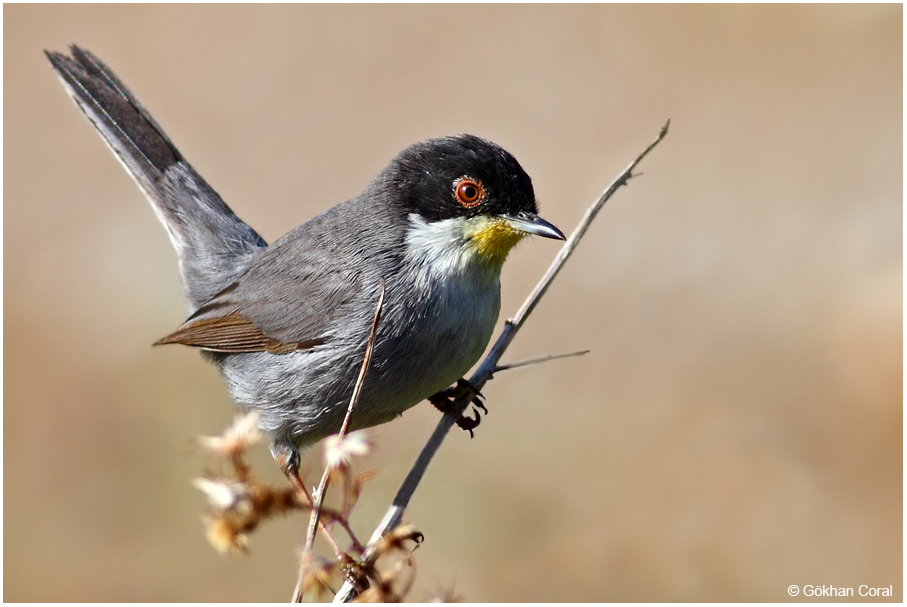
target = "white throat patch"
x: 443, y: 248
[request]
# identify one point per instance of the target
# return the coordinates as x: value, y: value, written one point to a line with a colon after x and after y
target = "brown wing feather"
x: 294, y: 292
x: 233, y: 334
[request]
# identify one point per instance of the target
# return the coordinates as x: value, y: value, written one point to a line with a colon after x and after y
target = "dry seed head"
x: 242, y: 434
x: 316, y: 575
x: 397, y: 538
x: 225, y: 537
x: 339, y: 451
x: 224, y: 495
x: 445, y: 595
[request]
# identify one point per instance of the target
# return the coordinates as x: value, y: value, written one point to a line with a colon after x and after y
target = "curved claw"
x: 470, y: 423
x: 443, y: 400
x: 478, y: 403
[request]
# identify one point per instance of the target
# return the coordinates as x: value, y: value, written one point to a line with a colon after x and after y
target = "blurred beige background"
x: 737, y: 427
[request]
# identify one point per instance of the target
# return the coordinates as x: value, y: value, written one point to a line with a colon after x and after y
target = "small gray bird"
x: 287, y: 324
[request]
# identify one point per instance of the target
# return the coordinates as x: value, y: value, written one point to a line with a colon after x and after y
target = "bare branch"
x: 537, y: 360
x: 489, y: 365
x: 322, y: 487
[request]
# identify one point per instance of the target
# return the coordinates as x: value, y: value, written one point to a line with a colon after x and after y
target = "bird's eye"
x: 469, y: 192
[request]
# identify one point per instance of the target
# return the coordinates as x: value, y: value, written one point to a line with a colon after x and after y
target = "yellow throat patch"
x: 492, y: 238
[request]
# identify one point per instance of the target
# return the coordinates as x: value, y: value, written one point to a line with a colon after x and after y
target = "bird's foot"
x: 288, y: 460
x: 443, y: 401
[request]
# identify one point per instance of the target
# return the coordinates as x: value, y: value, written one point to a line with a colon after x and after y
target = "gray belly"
x: 427, y: 339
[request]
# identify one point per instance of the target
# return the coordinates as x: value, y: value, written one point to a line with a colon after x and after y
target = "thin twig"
x: 537, y: 360
x: 318, y: 498
x: 366, y: 361
x: 486, y: 369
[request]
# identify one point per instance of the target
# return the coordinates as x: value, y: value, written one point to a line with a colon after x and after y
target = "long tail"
x: 210, y: 240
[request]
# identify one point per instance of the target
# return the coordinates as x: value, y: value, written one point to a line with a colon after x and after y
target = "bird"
x: 286, y: 324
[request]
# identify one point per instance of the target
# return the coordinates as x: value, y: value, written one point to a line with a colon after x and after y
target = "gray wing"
x: 296, y: 294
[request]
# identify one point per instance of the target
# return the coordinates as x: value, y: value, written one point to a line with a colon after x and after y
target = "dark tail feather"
x: 210, y: 240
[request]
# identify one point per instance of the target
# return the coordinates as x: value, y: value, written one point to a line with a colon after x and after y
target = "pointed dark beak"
x: 533, y: 224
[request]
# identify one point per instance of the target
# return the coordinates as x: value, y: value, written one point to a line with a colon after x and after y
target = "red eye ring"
x: 469, y: 192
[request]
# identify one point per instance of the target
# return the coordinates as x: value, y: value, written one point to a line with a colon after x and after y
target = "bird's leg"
x: 444, y: 399
x: 288, y: 460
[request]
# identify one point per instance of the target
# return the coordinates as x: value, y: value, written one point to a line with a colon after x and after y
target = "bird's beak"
x: 531, y: 223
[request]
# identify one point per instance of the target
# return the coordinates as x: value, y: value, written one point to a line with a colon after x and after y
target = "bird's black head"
x: 461, y: 176
x: 472, y: 181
